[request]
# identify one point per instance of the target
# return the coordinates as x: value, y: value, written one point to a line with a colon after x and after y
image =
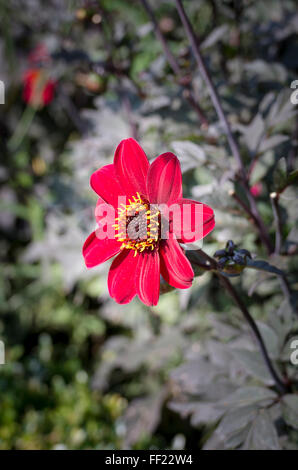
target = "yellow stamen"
x: 137, y: 207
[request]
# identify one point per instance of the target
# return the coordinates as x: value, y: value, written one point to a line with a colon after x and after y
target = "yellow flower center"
x: 137, y: 226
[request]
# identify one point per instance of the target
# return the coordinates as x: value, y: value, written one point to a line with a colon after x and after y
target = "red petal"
x: 121, y: 279
x: 174, y: 266
x: 192, y: 220
x: 131, y: 166
x: 105, y: 183
x: 148, y: 277
x: 164, y: 181
x: 27, y: 92
x: 29, y: 79
x: 48, y: 92
x: 96, y: 251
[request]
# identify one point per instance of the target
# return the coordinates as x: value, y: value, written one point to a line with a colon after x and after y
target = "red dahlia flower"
x: 141, y: 217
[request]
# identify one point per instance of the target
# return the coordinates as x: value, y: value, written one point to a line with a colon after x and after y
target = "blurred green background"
x: 82, y: 372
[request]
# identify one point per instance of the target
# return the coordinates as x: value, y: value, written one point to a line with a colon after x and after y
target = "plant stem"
x: 294, y: 149
x: 257, y: 221
x: 170, y: 57
x: 280, y: 385
x: 22, y: 128
x: 201, y: 259
x: 211, y: 263
x: 127, y: 108
x: 277, y: 222
x: 285, y: 287
x: 188, y: 93
x: 284, y: 283
x: 225, y: 123
x: 264, y: 236
x: 239, y: 201
x: 211, y: 88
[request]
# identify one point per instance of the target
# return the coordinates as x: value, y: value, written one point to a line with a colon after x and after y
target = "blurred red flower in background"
x: 38, y: 90
x: 143, y: 258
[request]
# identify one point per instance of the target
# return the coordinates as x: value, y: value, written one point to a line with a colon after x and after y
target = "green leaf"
x: 253, y: 132
x: 197, y: 261
x: 247, y: 396
x: 270, y: 338
x: 281, y: 178
x: 215, y: 36
x: 190, y: 154
x: 236, y: 421
x: 291, y: 178
x: 201, y: 412
x: 290, y: 410
x: 280, y: 175
x: 262, y: 435
x: 253, y: 362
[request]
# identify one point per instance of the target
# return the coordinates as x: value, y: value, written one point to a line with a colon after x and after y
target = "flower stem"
x: 22, y: 128
x: 170, y: 57
x: 211, y: 263
x: 225, y: 123
x: 280, y: 385
x: 239, y: 201
x: 277, y: 222
x: 284, y: 283
x: 264, y: 236
x: 128, y: 112
x: 188, y: 93
x: 211, y: 88
x: 256, y: 219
